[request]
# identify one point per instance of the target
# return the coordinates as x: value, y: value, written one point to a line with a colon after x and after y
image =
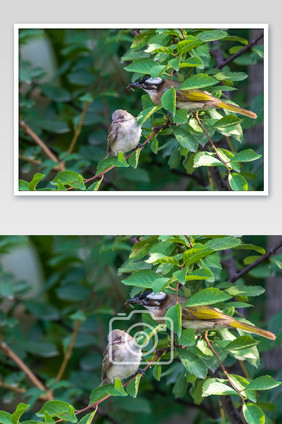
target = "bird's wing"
x: 106, y: 364
x: 202, y: 313
x: 112, y: 135
x: 193, y: 96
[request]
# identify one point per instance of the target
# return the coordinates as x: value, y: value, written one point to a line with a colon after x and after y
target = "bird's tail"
x: 237, y: 109
x: 252, y: 329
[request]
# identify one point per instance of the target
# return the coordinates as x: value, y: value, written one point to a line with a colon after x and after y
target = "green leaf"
x: 146, y: 279
x: 206, y: 159
x: 212, y: 35
x: 241, y: 342
x: 247, y: 155
x: 102, y: 391
x: 95, y: 186
x: 175, y: 314
x: 237, y: 182
x: 253, y: 414
x: 169, y: 100
x: 141, y: 66
x: 223, y: 243
x: 174, y: 63
x: 133, y: 386
x: 157, y: 372
x: 23, y: 185
x: 194, y: 254
x: 231, y: 76
x: 110, y: 162
x: 21, y: 408
x: 88, y: 418
x: 207, y: 296
x: 186, y: 139
x: 146, y: 113
x: 187, y: 337
x: 5, y: 417
x: 194, y: 365
x: 265, y: 382
x: 35, y: 180
x: 58, y: 94
x: 69, y: 178
x: 86, y: 98
x: 180, y: 387
x: 241, y: 290
x: 198, y: 81
x: 200, y: 274
x: 217, y: 386
x: 119, y: 387
x: 227, y: 121
x: 191, y: 62
x: 58, y: 408
x: 181, y: 116
x: 134, y: 158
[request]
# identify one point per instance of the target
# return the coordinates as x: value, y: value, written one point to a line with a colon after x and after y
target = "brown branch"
x: 41, y: 143
x: 243, y: 50
x: 78, y: 129
x: 221, y: 364
x: 69, y: 350
x: 22, y: 391
x: 8, y: 351
x: 38, y: 162
x: 261, y: 259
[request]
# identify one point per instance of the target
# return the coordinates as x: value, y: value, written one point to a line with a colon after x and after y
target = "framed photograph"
x: 110, y: 110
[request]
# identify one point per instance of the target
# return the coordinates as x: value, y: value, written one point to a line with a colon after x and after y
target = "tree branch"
x: 78, y: 129
x: 264, y: 257
x: 8, y: 351
x: 69, y: 350
x: 41, y: 143
x: 243, y: 50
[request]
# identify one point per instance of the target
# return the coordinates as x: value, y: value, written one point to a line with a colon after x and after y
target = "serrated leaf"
x: 146, y: 113
x: 207, y: 296
x: 186, y: 139
x: 175, y: 314
x: 206, y: 159
x: 265, y: 382
x: 169, y: 100
x: 107, y: 163
x: 5, y: 417
x: 237, y: 182
x: 133, y: 386
x: 253, y: 414
x: 212, y: 35
x: 58, y: 408
x: 21, y: 408
x: 134, y: 158
x: 217, y: 386
x: 187, y: 337
x: 198, y: 81
x: 102, y: 391
x: 241, y: 342
x: 146, y: 279
x: 141, y: 66
x: 247, y: 155
x: 194, y: 365
x: 223, y: 243
x: 227, y: 121
x: 200, y: 274
x: 242, y: 290
x: 69, y: 178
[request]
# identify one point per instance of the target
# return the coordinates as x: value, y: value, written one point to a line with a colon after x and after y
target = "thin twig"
x: 221, y: 364
x: 25, y: 369
x: 78, y: 129
x: 38, y: 162
x: 69, y: 350
x: 245, y: 48
x: 41, y: 143
x: 261, y: 259
x: 22, y: 391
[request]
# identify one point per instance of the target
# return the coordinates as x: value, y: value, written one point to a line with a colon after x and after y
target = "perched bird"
x: 200, y: 318
x: 124, y: 133
x: 122, y: 357
x: 192, y: 100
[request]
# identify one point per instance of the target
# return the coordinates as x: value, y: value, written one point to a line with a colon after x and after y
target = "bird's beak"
x: 133, y: 85
x: 134, y: 300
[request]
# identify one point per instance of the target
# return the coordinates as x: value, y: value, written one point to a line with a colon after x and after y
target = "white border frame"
x: 265, y: 192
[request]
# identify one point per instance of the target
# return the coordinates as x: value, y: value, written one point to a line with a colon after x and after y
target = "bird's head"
x: 154, y: 302
x: 120, y: 115
x: 148, y: 84
x: 117, y: 337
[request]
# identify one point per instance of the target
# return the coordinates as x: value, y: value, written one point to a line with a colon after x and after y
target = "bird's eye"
x: 119, y: 338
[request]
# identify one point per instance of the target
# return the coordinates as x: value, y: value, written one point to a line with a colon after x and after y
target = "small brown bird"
x: 190, y: 99
x: 122, y: 357
x: 124, y: 133
x: 200, y: 318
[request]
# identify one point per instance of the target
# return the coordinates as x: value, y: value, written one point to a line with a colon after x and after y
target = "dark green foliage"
x: 68, y: 97
x: 85, y: 282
